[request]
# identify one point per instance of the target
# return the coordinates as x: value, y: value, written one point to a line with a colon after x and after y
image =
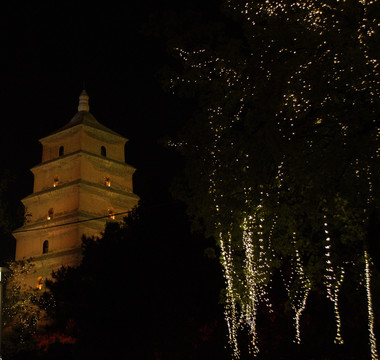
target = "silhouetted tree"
x: 144, y: 290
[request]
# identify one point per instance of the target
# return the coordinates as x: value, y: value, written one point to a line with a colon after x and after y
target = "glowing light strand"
x: 333, y: 283
x: 251, y: 282
x: 250, y: 308
x: 297, y: 101
x: 372, y: 338
x: 306, y: 287
x: 297, y: 294
x: 230, y: 306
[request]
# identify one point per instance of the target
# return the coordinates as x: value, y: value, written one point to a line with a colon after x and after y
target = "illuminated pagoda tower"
x: 82, y: 182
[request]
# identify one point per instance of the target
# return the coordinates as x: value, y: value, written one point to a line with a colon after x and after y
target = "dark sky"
x: 49, y: 48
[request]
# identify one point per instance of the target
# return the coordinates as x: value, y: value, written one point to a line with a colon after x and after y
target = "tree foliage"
x: 24, y: 310
x: 144, y: 290
x: 283, y: 154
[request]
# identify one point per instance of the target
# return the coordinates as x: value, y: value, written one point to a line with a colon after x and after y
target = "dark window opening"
x: 111, y: 213
x: 50, y: 214
x: 61, y: 150
x: 45, y: 247
x: 56, y: 181
x: 103, y: 151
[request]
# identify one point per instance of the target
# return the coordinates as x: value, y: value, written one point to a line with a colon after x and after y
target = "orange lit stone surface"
x: 80, y: 200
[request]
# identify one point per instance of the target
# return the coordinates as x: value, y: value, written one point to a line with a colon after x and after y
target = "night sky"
x: 118, y: 50
x: 49, y: 48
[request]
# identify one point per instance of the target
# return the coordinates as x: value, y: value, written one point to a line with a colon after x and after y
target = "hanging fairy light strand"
x: 371, y: 321
x: 297, y: 294
x: 305, y: 289
x: 250, y: 308
x: 302, y: 119
x: 333, y: 282
x: 230, y: 306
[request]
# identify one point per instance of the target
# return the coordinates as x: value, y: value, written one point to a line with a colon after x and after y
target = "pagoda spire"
x: 83, y: 101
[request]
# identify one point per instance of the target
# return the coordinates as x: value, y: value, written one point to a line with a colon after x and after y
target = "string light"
x: 21, y: 307
x: 333, y: 283
x: 372, y: 338
x: 251, y: 282
x: 230, y: 307
x: 303, y: 117
x: 298, y: 287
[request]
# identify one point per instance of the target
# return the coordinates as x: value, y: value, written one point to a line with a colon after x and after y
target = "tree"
x: 24, y: 310
x: 144, y: 290
x: 285, y: 148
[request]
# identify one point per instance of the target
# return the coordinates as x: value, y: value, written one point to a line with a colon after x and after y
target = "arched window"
x: 45, y: 247
x: 50, y: 214
x: 103, y: 151
x: 61, y: 150
x: 56, y: 181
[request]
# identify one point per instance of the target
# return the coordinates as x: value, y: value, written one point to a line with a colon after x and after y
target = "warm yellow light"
x: 371, y: 319
x: 50, y: 214
x: 56, y: 181
x: 111, y: 214
x: 39, y: 283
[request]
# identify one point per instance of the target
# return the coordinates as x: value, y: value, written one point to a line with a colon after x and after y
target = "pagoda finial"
x: 83, y: 101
